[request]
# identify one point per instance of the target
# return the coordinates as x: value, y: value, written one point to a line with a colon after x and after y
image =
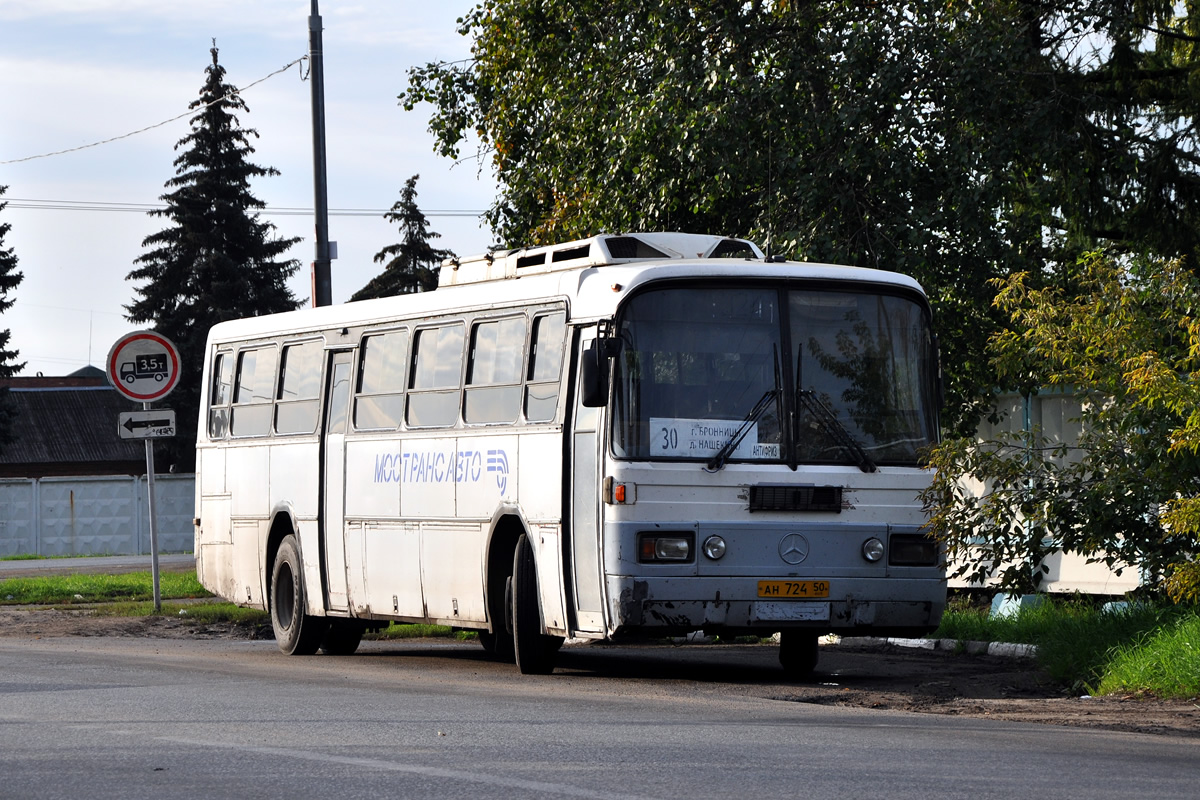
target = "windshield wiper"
x: 834, y: 429
x: 764, y: 402
x: 717, y: 462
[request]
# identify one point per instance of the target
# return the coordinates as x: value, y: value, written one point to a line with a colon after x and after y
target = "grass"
x: 129, y: 595
x: 1168, y: 659
x: 202, y: 613
x: 398, y: 630
x: 86, y: 588
x: 1145, y: 648
x: 132, y: 595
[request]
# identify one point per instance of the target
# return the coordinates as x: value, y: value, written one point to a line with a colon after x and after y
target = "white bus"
x: 643, y: 434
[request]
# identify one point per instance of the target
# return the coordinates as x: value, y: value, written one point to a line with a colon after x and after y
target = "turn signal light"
x: 621, y: 494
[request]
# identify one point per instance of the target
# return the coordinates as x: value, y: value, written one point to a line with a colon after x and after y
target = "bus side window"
x: 253, y: 392
x: 436, y: 376
x: 218, y: 399
x: 379, y: 395
x: 299, y: 388
x: 545, y: 366
x: 493, y: 392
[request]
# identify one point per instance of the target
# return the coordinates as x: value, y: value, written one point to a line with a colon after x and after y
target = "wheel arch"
x: 283, y: 524
x: 508, y: 524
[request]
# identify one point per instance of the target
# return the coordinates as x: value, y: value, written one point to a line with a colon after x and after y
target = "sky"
x: 77, y: 72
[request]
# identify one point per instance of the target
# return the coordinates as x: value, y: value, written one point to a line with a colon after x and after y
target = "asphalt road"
x: 142, y: 718
x: 109, y: 565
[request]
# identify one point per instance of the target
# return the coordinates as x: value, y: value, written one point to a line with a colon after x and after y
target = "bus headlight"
x: 714, y: 547
x: 872, y: 549
x: 658, y: 547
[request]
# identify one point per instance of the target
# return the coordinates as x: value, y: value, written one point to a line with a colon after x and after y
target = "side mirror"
x: 594, y: 372
x: 593, y: 377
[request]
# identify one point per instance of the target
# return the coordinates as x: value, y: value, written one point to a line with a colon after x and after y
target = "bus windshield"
x: 773, y: 374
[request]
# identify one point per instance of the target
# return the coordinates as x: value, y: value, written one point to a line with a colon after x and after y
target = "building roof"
x: 88, y: 372
x: 68, y: 426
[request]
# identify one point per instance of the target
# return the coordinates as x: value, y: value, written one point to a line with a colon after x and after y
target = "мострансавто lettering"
x: 429, y: 467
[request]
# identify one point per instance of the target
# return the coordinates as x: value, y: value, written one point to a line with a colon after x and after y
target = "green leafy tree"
x: 217, y: 260
x: 10, y: 279
x: 413, y: 263
x: 953, y: 141
x: 1126, y: 343
x: 974, y: 144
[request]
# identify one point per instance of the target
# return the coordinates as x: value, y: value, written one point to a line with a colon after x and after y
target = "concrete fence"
x: 107, y: 515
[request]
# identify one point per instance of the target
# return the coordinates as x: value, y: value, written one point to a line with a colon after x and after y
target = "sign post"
x: 144, y: 366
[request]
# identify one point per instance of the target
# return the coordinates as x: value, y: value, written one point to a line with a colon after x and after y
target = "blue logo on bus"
x: 497, y: 462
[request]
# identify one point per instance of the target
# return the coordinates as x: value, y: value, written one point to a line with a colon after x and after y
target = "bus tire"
x: 798, y: 652
x: 498, y: 645
x: 342, y: 638
x: 498, y: 642
x: 535, y: 651
x: 296, y: 633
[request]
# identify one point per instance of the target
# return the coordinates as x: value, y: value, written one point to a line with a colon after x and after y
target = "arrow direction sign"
x: 158, y: 423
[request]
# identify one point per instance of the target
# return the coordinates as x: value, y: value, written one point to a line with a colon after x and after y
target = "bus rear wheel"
x: 498, y: 642
x: 498, y: 645
x: 798, y: 653
x: 296, y: 633
x: 342, y: 638
x: 535, y: 651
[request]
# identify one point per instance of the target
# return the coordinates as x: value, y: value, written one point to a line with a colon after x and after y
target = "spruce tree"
x: 9, y: 280
x: 414, y: 262
x: 217, y: 260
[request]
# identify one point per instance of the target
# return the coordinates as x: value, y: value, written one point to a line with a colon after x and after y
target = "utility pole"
x: 321, y: 270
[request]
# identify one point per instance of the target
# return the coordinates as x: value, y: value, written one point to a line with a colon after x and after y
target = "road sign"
x: 156, y: 424
x: 143, y: 366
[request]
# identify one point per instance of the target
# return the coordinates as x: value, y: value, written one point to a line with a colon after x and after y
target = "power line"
x: 67, y: 308
x: 189, y: 112
x: 270, y: 211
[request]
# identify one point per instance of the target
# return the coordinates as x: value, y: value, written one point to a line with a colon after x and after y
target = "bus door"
x: 586, y: 564
x: 333, y: 480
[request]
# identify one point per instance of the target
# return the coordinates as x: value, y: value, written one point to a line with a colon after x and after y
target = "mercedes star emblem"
x: 793, y: 548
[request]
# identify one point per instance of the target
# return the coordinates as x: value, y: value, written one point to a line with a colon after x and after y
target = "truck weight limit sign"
x: 143, y: 366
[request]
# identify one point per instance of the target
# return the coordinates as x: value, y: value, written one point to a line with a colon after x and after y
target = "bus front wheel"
x: 535, y: 651
x: 296, y: 633
x: 798, y: 652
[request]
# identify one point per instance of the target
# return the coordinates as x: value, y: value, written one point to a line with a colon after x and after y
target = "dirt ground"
x: 850, y: 674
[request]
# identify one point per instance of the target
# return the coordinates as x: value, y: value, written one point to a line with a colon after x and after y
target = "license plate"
x: 793, y: 589
x: 790, y: 611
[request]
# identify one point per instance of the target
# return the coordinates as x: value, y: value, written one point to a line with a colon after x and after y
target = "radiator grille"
x: 796, y: 498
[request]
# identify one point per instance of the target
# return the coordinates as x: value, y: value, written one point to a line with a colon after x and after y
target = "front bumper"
x: 855, y: 606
